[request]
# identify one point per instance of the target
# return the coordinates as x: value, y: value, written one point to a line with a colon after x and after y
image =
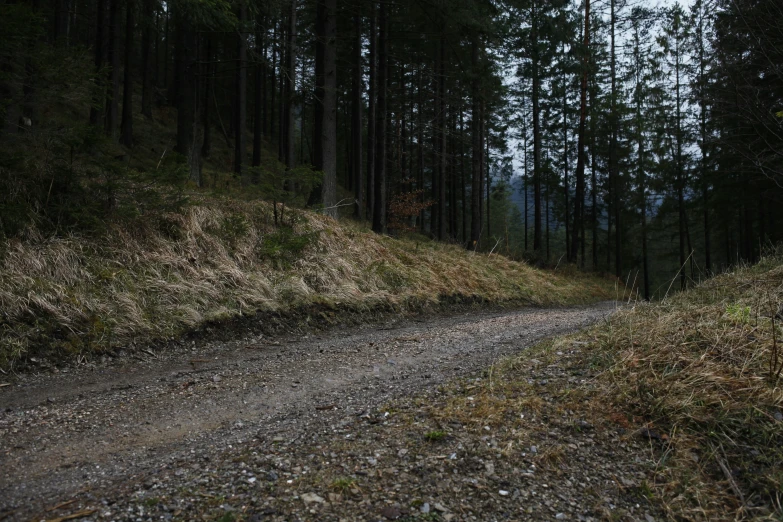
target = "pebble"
x: 310, y: 498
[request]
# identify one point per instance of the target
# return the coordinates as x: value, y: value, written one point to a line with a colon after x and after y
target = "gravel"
x: 308, y: 427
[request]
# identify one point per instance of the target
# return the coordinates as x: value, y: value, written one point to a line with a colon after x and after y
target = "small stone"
x: 217, y: 378
x: 439, y: 507
x: 560, y: 516
x: 425, y: 508
x: 310, y: 498
x: 252, y: 480
x: 402, y: 452
x: 778, y: 416
x: 391, y: 512
x: 533, y: 449
x: 503, y: 493
x: 648, y: 518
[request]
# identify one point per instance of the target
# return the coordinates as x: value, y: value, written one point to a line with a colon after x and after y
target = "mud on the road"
x: 153, y: 435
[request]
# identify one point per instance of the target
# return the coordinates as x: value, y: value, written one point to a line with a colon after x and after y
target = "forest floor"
x: 374, y: 423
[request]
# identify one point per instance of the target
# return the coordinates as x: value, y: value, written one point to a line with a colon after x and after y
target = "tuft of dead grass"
x: 696, y: 368
x: 159, y: 276
x: 696, y: 375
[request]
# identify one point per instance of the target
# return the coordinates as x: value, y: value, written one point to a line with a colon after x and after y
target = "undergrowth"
x: 698, y: 374
x: 161, y: 274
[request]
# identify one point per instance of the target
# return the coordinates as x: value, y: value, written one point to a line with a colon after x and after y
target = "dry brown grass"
x: 224, y: 258
x: 695, y: 367
x: 696, y: 370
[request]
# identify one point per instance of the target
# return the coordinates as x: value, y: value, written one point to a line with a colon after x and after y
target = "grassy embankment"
x: 698, y: 375
x: 220, y: 258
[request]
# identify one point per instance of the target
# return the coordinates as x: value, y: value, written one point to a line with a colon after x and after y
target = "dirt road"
x: 98, y: 433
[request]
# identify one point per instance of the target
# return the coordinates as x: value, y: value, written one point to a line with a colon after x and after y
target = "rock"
x: 391, y: 512
x: 503, y: 493
x: 778, y: 416
x: 425, y: 508
x: 252, y: 480
x: 310, y: 498
x: 533, y: 449
x: 272, y: 476
x: 648, y: 518
x: 217, y: 378
x: 402, y: 452
x: 439, y: 507
x: 560, y: 516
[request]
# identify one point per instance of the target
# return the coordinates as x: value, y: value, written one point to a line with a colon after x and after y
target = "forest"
x: 630, y: 139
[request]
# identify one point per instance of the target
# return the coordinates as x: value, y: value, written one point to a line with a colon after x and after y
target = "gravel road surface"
x: 87, y: 437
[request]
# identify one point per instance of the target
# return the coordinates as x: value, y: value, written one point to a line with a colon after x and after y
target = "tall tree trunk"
x: 290, y: 87
x: 147, y: 93
x: 379, y: 209
x: 463, y: 180
x: 259, y: 91
x: 614, y: 171
x: 282, y: 132
x: 166, y: 53
x: 593, y: 189
x: 126, y: 133
x: 525, y: 179
x: 546, y: 222
x: 357, y: 171
x: 240, y: 93
x: 96, y: 111
x: 441, y: 130
x: 420, y: 147
x: 113, y: 95
x: 475, y: 129
x: 488, y: 173
x: 371, y: 110
x: 536, y: 131
x: 273, y: 81
x: 679, y: 166
x: 208, y: 85
x: 579, y: 197
x: 187, y: 49
x: 566, y: 187
x: 329, y: 128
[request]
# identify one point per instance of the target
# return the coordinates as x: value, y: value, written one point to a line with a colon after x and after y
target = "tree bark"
x: 259, y: 80
x: 371, y: 109
x: 126, y: 133
x: 441, y: 130
x: 357, y: 171
x: 240, y: 93
x: 290, y: 86
x: 379, y: 208
x: 579, y: 197
x: 186, y: 49
x: 147, y: 92
x: 536, y: 132
x: 329, y: 128
x: 475, y: 130
x: 113, y: 94
x: 96, y: 111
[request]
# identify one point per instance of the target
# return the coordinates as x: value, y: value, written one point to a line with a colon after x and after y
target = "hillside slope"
x: 697, y: 378
x: 160, y: 276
